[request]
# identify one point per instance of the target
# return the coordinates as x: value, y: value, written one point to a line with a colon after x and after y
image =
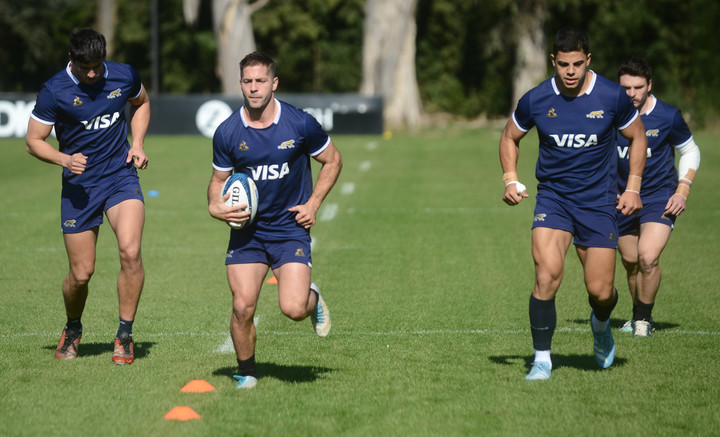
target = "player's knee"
x: 80, y: 275
x: 601, y: 292
x: 243, y: 311
x: 294, y: 311
x: 548, y: 279
x: 130, y: 258
x: 631, y: 266
x: 648, y: 263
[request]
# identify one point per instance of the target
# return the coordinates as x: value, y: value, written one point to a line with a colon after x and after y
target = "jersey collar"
x: 654, y: 103
x: 75, y: 79
x: 275, y: 121
x: 587, y: 92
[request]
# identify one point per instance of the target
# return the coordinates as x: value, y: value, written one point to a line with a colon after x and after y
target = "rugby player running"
x: 664, y: 193
x: 271, y: 142
x: 577, y: 113
x: 85, y: 103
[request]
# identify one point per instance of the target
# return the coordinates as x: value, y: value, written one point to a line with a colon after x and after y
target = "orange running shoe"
x: 68, y: 347
x: 124, y: 352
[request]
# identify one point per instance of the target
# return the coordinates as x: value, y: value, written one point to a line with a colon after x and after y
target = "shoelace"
x: 319, y: 314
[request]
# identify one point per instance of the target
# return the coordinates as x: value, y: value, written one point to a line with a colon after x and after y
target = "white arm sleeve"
x: 689, y: 160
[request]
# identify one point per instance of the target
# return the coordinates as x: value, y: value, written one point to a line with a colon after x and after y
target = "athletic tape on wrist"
x: 683, y: 190
x: 633, y: 184
x: 509, y: 177
x: 520, y: 187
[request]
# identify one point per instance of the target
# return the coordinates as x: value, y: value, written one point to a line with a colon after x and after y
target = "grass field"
x: 427, y: 274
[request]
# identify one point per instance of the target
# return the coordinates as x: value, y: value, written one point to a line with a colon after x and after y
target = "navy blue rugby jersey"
x: 90, y: 119
x: 665, y: 129
x: 277, y: 158
x: 576, y: 161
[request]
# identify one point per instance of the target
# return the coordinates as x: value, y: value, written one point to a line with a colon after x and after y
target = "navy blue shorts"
x: 248, y: 247
x: 590, y: 227
x: 652, y: 212
x: 82, y: 208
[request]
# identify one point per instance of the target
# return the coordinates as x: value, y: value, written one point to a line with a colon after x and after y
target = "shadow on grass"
x: 574, y: 361
x: 617, y: 323
x: 140, y: 350
x: 292, y: 374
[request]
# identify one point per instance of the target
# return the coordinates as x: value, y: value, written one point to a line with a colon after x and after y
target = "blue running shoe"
x: 320, y: 317
x: 245, y: 382
x: 627, y: 327
x: 540, y: 370
x: 603, y: 345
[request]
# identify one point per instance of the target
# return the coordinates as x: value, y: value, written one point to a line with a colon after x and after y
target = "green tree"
x: 464, y: 56
x: 317, y: 43
x: 34, y: 35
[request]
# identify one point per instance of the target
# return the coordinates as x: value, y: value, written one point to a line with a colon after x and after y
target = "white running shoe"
x: 642, y: 328
x: 540, y: 370
x: 320, y: 317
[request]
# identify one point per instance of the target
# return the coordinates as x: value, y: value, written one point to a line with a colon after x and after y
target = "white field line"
x: 365, y: 165
x: 417, y: 332
x: 328, y: 213
x: 347, y: 188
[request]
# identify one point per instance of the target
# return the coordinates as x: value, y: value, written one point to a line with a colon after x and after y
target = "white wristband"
x: 520, y: 187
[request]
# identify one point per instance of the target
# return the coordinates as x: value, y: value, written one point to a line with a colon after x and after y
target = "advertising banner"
x: 200, y: 114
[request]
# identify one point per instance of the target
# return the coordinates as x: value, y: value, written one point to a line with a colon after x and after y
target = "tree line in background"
x: 469, y: 54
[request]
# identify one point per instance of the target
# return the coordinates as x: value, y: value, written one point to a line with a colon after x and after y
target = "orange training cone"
x: 272, y: 280
x: 197, y: 386
x: 182, y: 413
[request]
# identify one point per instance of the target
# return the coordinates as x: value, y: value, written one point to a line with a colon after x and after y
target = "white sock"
x: 597, y: 324
x: 543, y: 356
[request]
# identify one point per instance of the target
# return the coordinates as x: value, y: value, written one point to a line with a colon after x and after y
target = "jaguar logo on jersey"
x: 300, y: 252
x: 114, y: 94
x: 243, y: 147
x: 574, y: 140
x: 551, y: 113
x: 289, y: 144
x: 652, y: 132
x: 270, y: 172
x: 77, y: 102
x: 69, y: 223
x: 595, y: 114
x: 102, y: 121
x: 540, y: 217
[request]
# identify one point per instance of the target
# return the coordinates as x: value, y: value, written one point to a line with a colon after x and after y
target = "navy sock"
x: 543, y: 319
x: 602, y: 313
x: 643, y: 311
x: 125, y: 326
x: 74, y: 325
x: 247, y: 367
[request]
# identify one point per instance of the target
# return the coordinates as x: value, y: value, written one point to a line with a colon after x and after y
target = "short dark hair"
x: 258, y: 58
x: 635, y: 66
x: 87, y: 45
x: 571, y: 39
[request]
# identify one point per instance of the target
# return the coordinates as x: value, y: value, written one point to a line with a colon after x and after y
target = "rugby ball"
x: 243, y: 191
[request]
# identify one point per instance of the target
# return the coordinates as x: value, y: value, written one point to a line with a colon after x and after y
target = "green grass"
x: 427, y: 274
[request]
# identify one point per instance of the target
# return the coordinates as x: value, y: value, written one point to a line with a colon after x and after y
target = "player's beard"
x: 257, y: 105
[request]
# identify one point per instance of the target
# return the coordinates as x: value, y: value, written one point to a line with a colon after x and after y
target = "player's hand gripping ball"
x: 243, y: 191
